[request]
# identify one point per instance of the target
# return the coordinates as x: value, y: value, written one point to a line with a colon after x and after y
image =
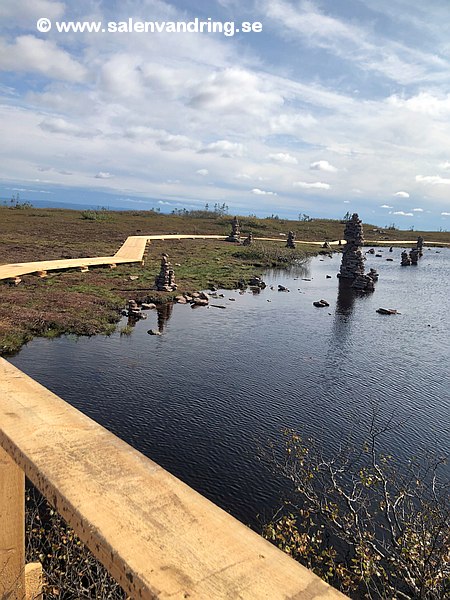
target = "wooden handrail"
x: 156, y: 536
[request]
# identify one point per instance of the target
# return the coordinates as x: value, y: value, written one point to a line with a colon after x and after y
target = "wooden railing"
x: 156, y: 536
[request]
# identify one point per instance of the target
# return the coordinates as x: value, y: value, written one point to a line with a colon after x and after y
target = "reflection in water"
x: 341, y: 330
x: 345, y: 298
x: 164, y: 314
x: 298, y: 270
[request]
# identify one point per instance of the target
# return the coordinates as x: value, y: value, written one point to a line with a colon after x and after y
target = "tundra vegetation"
x: 369, y: 526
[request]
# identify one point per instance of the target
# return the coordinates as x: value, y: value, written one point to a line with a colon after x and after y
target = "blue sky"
x: 336, y: 106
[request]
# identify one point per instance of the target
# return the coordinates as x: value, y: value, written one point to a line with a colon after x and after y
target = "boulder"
x: 199, y: 302
x: 387, y: 311
x: 321, y: 303
x: 153, y: 332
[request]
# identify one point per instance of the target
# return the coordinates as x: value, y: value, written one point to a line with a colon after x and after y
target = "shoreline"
x: 90, y: 303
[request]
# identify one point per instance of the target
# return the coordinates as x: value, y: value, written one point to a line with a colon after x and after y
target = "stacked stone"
x: 414, y: 256
x: 373, y: 274
x: 419, y: 245
x: 364, y: 283
x: 134, y: 313
x: 165, y: 281
x: 235, y: 235
x: 290, y: 242
x: 352, y: 258
x: 248, y: 240
x: 406, y: 261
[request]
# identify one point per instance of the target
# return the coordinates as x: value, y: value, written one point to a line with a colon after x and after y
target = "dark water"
x: 218, y: 384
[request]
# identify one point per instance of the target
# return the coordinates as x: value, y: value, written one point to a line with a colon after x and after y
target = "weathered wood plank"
x: 12, y: 528
x: 155, y: 535
x: 33, y: 581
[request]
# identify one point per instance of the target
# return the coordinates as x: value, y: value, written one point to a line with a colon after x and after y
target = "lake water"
x: 218, y: 384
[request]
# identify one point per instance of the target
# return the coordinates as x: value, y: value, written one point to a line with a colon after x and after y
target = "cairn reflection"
x: 164, y: 313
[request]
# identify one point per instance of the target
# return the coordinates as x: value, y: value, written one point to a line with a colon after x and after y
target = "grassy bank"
x: 89, y: 303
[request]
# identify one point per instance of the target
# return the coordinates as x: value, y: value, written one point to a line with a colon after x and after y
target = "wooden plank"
x: 33, y: 581
x: 154, y: 534
x: 12, y: 528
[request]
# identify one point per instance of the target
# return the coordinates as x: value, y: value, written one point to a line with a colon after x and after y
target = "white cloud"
x: 417, y: 209
x: 346, y: 201
x: 235, y: 90
x: 224, y: 148
x: 60, y: 125
x: 33, y: 55
x: 284, y: 157
x: 259, y: 192
x: 318, y: 185
x: 103, y: 175
x: 323, y: 165
x: 292, y: 123
x: 173, y: 143
x: 349, y: 41
x: 432, y: 179
x: 402, y: 213
x: 402, y: 194
x: 386, y: 206
x: 26, y: 12
x: 445, y: 214
x: 445, y: 165
x: 425, y: 103
x: 202, y: 172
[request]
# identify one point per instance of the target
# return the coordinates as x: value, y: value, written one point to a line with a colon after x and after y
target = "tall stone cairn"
x: 419, y: 245
x: 352, y: 264
x: 290, y: 242
x: 165, y: 281
x: 235, y: 235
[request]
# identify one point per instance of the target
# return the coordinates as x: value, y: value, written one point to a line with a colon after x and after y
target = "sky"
x: 323, y: 107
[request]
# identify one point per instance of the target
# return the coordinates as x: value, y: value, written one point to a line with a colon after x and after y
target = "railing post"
x: 12, y: 529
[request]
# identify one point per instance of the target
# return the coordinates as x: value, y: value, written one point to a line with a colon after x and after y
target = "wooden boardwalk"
x: 132, y: 251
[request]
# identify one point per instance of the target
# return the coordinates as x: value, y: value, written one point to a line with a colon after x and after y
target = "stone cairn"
x: 414, y: 256
x: 419, y: 245
x: 290, y: 242
x: 235, y: 235
x: 406, y: 261
x: 352, y: 265
x: 165, y: 281
x: 248, y: 240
